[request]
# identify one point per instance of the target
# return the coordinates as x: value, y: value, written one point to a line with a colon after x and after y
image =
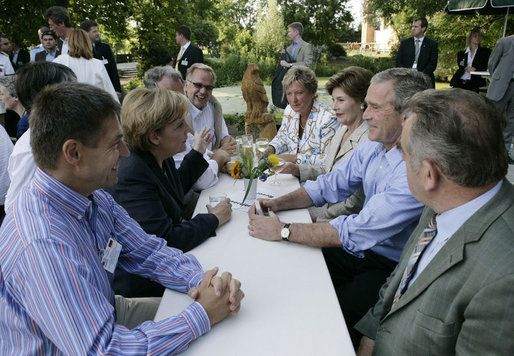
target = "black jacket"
x: 479, y: 62
x: 427, y: 60
x: 23, y: 58
x: 154, y: 198
x: 104, y: 53
x: 191, y: 56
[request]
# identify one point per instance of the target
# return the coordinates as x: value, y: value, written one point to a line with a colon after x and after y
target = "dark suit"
x: 41, y: 56
x: 103, y: 52
x: 479, y: 62
x: 427, y: 60
x: 154, y: 198
x: 23, y: 58
x: 462, y: 302
x: 190, y: 56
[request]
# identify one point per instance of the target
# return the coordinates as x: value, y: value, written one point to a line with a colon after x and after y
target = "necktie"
x: 178, y: 57
x: 416, y: 53
x: 426, y: 237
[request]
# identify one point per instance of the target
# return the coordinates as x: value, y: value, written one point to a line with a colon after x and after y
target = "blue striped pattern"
x: 55, y: 296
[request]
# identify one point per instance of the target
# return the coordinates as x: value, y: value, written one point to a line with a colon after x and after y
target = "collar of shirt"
x: 72, y: 202
x: 186, y: 46
x: 450, y: 221
x: 393, y: 156
x: 419, y: 39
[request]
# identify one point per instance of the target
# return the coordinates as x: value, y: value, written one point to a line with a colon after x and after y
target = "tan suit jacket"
x: 462, y: 302
x: 354, y: 203
x: 303, y: 55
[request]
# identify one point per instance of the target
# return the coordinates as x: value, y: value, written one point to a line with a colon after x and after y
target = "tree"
x: 324, y: 20
x: 270, y: 31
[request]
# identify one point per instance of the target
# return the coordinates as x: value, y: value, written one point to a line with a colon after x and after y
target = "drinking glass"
x: 216, y: 198
x: 261, y: 145
x: 277, y: 169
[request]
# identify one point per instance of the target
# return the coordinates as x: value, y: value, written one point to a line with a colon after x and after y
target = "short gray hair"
x: 461, y: 132
x: 406, y: 83
x: 9, y: 82
x: 155, y: 74
x: 201, y: 66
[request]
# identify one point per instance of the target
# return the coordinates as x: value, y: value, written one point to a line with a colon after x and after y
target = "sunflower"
x: 235, y: 170
x: 273, y: 159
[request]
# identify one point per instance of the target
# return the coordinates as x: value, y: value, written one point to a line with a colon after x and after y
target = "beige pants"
x: 131, y: 312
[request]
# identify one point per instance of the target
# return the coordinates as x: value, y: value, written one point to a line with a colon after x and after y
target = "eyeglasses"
x: 200, y: 86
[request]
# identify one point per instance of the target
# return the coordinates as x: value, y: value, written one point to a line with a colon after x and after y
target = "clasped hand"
x: 218, y: 295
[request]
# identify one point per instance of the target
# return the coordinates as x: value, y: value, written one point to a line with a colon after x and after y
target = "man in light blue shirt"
x: 451, y: 292
x: 371, y: 241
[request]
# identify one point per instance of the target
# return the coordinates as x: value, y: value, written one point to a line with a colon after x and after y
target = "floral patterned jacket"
x: 314, y: 144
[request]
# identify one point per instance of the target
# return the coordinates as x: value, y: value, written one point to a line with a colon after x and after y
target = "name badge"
x: 105, y: 61
x: 110, y: 255
x: 184, y: 62
x: 414, y: 66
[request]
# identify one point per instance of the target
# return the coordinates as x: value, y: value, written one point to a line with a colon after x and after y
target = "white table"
x: 290, y: 307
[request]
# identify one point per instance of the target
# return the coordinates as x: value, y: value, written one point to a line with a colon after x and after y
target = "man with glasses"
x: 205, y: 109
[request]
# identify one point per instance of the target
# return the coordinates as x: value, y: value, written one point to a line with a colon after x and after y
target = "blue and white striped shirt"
x: 390, y: 212
x: 56, y: 297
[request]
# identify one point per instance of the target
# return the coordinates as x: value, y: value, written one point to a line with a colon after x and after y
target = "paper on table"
x: 236, y: 198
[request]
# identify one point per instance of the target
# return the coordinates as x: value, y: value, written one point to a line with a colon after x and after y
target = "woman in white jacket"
x: 80, y: 59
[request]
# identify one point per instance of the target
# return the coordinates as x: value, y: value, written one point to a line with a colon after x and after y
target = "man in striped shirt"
x: 63, y: 237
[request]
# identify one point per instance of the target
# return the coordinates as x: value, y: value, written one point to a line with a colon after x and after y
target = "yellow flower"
x: 273, y: 159
x: 235, y: 170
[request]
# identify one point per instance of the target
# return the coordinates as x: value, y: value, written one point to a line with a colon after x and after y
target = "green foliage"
x: 269, y: 31
x: 205, y: 34
x: 230, y: 70
x: 323, y: 20
x: 374, y: 64
x: 133, y: 83
x: 336, y: 50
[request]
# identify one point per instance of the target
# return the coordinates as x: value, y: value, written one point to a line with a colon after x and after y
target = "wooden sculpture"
x: 258, y: 121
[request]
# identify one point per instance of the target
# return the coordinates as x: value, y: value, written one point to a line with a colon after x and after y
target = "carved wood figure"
x: 258, y: 121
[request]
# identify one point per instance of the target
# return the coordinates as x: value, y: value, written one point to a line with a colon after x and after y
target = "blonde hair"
x: 302, y: 75
x: 79, y: 44
x: 470, y: 34
x: 149, y: 110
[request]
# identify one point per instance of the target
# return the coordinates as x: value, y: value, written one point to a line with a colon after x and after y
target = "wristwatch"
x: 284, y: 233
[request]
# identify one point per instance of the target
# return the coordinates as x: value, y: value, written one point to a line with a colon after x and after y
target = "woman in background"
x: 474, y: 58
x: 80, y: 59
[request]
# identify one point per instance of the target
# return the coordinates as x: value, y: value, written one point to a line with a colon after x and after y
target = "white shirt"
x: 64, y: 49
x: 448, y: 223
x: 210, y: 176
x: 91, y: 71
x: 205, y: 118
x: 184, y: 48
x: 5, y: 66
x: 6, y: 148
x: 415, y: 64
x: 467, y: 75
x: 21, y: 168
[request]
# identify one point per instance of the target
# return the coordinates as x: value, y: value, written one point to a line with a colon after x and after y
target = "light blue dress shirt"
x: 390, y: 212
x: 448, y: 223
x: 293, y: 48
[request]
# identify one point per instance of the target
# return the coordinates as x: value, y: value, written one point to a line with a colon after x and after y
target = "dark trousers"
x: 356, y: 282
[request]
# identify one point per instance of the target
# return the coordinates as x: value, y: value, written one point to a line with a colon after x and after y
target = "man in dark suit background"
x: 418, y: 52
x: 188, y: 54
x: 18, y: 56
x: 103, y: 52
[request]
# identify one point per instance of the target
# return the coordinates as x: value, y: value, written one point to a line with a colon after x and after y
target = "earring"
x: 363, y: 107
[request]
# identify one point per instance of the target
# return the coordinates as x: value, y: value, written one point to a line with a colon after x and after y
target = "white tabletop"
x: 290, y: 307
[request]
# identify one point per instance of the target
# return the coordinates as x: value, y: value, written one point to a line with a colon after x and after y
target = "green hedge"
x: 230, y: 70
x: 374, y: 64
